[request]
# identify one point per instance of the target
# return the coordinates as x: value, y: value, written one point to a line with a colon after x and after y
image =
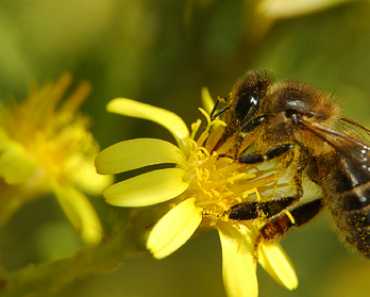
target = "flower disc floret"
x: 203, y: 182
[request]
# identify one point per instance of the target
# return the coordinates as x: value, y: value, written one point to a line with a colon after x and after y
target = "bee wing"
x: 354, y: 129
x: 349, y: 139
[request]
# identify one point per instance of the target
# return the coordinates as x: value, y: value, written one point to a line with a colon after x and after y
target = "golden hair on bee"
x: 294, y: 121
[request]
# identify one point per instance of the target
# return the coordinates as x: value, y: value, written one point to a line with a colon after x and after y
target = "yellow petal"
x: 174, y: 229
x: 137, y: 153
x: 80, y: 212
x: 238, y: 263
x: 171, y: 121
x: 276, y: 263
x: 83, y: 173
x: 15, y: 164
x: 207, y: 100
x: 147, y: 189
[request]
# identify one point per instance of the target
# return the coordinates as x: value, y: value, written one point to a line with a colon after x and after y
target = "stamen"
x: 219, y: 182
x: 207, y: 117
x: 238, y: 177
x: 215, y: 136
x: 195, y: 128
x: 74, y: 101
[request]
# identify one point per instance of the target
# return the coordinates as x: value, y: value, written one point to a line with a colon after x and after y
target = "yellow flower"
x: 46, y: 147
x: 202, y: 184
x: 279, y: 9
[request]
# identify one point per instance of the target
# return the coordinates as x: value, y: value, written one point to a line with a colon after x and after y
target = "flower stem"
x: 49, y: 278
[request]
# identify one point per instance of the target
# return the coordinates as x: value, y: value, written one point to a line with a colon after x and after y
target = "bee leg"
x: 253, y: 124
x: 270, y: 154
x: 279, y: 225
x: 248, y: 127
x: 253, y: 210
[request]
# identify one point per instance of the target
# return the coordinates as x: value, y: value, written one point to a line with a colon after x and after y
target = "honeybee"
x: 333, y: 152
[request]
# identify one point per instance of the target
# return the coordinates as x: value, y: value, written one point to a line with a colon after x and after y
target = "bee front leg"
x: 253, y: 124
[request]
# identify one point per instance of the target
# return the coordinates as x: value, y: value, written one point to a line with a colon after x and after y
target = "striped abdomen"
x: 347, y: 192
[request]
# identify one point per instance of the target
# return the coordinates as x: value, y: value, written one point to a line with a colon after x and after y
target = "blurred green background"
x: 163, y: 52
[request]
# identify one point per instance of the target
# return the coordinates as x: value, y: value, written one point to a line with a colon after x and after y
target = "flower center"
x: 217, y: 180
x: 49, y: 128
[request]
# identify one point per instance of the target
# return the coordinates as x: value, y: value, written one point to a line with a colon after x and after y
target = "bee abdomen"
x: 356, y: 199
x: 349, y: 201
x: 349, y: 176
x: 358, y: 232
x: 352, y: 213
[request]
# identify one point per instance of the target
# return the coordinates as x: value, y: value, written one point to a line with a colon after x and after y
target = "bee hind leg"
x: 281, y: 224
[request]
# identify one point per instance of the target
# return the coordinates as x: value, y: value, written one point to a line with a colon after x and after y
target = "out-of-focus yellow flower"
x: 279, y: 9
x: 46, y: 147
x: 267, y: 12
x: 201, y: 185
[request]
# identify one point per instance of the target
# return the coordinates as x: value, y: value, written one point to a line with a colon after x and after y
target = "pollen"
x: 205, y: 181
x: 215, y: 177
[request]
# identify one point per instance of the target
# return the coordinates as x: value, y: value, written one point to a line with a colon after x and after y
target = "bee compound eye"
x: 246, y: 102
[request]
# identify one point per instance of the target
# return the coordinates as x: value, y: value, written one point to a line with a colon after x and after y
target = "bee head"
x: 247, y: 94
